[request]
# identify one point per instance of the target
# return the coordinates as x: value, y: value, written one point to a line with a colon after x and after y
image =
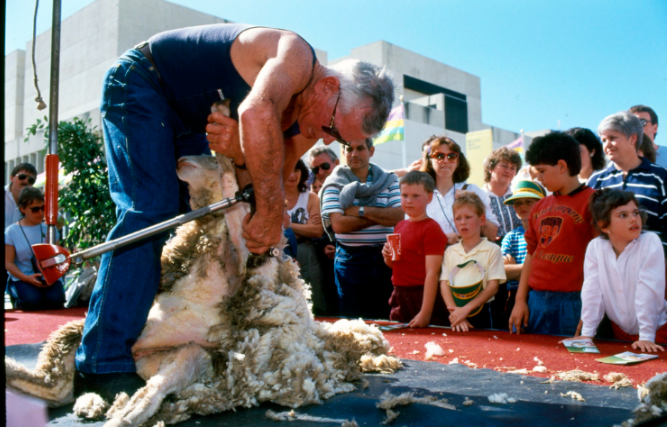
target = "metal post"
x: 52, y: 161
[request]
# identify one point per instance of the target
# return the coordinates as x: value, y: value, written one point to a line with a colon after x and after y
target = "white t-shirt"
x: 440, y: 208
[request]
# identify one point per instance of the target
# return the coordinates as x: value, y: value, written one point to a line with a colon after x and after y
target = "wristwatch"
x: 361, y: 211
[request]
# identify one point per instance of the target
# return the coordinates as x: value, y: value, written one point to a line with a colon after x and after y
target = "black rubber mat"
x: 537, y: 404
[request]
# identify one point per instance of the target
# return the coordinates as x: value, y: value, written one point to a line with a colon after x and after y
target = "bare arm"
x: 423, y: 318
x: 513, y: 271
x: 388, y: 217
x: 344, y: 224
x: 313, y: 228
x: 490, y: 231
x: 520, y: 313
x: 13, y: 269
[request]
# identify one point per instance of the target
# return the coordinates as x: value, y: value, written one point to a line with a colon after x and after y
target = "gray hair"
x: 625, y: 123
x: 366, y: 85
x: 319, y: 150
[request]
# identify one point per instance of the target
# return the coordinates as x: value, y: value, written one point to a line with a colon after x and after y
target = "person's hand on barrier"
x: 519, y: 317
x: 223, y: 136
x: 463, y: 326
x: 261, y: 232
x: 579, y: 326
x: 420, y: 321
x: 330, y: 252
x: 458, y: 314
x: 647, y: 346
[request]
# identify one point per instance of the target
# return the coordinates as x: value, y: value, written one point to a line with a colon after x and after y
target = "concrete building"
x: 439, y: 98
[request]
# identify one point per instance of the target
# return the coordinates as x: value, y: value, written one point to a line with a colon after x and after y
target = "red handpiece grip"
x: 51, y: 189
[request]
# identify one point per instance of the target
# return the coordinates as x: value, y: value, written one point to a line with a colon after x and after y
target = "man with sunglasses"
x: 649, y: 120
x: 23, y: 175
x: 156, y: 106
x: 322, y: 162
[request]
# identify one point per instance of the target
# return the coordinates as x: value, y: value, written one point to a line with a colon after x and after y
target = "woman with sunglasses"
x: 447, y: 165
x: 26, y: 287
x: 22, y: 176
x: 303, y: 208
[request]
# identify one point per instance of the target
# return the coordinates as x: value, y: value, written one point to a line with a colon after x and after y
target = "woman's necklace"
x: 443, y: 209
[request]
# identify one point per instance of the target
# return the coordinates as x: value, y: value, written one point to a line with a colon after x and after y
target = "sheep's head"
x: 203, y: 175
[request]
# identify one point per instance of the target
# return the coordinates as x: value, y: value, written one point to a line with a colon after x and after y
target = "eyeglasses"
x: 324, y: 166
x: 331, y: 130
x: 452, y: 157
x: 644, y: 121
x: 36, y: 209
x: 22, y: 176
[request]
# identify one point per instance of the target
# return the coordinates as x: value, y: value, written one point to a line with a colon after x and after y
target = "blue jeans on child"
x: 29, y: 297
x: 554, y: 313
x: 363, y: 281
x: 143, y: 139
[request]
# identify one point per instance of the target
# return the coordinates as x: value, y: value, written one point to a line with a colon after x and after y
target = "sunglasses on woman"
x: 22, y: 176
x: 452, y: 157
x: 36, y: 209
x: 324, y: 166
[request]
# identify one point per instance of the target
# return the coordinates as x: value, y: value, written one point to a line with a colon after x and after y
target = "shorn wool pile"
x: 225, y: 330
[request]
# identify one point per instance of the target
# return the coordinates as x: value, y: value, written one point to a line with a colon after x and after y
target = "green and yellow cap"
x: 525, y: 189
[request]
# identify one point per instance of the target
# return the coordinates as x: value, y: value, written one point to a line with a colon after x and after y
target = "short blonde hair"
x: 472, y: 200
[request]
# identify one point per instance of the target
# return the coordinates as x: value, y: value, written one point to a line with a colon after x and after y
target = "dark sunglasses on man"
x: 324, y: 166
x: 452, y: 157
x: 22, y: 176
x: 36, y: 209
x: 644, y: 121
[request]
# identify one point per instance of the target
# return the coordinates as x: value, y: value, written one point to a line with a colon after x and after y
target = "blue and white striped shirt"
x: 375, y: 234
x: 514, y: 243
x: 647, y: 181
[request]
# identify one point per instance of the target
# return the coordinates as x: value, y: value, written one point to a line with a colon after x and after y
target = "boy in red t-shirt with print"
x: 416, y: 299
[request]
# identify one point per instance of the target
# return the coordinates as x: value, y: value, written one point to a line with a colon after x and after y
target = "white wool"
x: 574, y: 395
x: 498, y: 398
x: 433, y: 349
x: 90, y: 406
x: 540, y: 368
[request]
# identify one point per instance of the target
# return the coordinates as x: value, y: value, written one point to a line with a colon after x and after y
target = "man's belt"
x: 145, y: 50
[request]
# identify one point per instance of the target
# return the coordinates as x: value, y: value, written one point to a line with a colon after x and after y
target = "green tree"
x: 86, y: 198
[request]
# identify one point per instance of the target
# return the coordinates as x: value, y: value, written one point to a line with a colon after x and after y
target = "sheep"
x: 222, y: 332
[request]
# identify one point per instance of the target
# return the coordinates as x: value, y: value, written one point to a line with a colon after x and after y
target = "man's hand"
x: 33, y: 279
x: 647, y: 346
x: 508, y: 259
x: 330, y: 251
x: 519, y: 317
x: 261, y: 232
x: 315, y: 219
x: 420, y: 321
x: 223, y: 137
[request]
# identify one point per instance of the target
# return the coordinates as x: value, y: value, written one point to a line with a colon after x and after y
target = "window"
x: 456, y: 104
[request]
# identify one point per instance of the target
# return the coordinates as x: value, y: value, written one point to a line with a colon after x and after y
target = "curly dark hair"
x: 587, y: 137
x: 499, y: 155
x: 462, y: 171
x: 604, y: 201
x: 301, y: 166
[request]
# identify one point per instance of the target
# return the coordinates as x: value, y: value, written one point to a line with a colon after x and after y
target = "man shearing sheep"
x: 155, y: 108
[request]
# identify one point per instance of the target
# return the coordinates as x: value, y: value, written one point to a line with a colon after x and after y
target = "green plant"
x: 86, y: 198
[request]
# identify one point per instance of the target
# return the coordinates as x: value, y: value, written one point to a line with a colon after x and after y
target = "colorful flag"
x: 393, y: 130
x: 517, y: 145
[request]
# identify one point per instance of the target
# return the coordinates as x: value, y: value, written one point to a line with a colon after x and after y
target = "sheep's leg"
x: 178, y: 369
x: 53, y: 377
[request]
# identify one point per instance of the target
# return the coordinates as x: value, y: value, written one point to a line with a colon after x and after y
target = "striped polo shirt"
x: 507, y: 218
x: 514, y: 243
x: 375, y: 234
x: 647, y: 181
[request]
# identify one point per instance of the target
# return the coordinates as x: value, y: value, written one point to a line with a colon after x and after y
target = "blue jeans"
x: 554, y: 313
x: 363, y: 281
x: 29, y: 297
x: 143, y: 139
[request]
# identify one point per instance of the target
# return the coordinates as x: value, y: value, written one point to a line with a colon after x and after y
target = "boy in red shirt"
x: 416, y: 299
x: 559, y: 230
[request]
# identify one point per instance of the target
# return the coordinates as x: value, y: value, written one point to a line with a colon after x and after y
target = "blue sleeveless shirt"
x: 196, y: 66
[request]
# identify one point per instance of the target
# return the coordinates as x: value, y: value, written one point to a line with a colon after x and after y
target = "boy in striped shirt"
x: 525, y: 195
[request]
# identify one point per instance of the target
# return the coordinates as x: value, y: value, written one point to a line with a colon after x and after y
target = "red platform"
x: 482, y: 349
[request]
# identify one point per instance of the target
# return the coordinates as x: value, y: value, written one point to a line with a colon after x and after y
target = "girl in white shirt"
x: 624, y: 274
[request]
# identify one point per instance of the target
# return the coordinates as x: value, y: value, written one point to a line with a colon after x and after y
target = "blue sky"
x: 539, y: 61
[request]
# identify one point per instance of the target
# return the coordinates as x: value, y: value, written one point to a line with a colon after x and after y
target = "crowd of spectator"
x: 572, y: 243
